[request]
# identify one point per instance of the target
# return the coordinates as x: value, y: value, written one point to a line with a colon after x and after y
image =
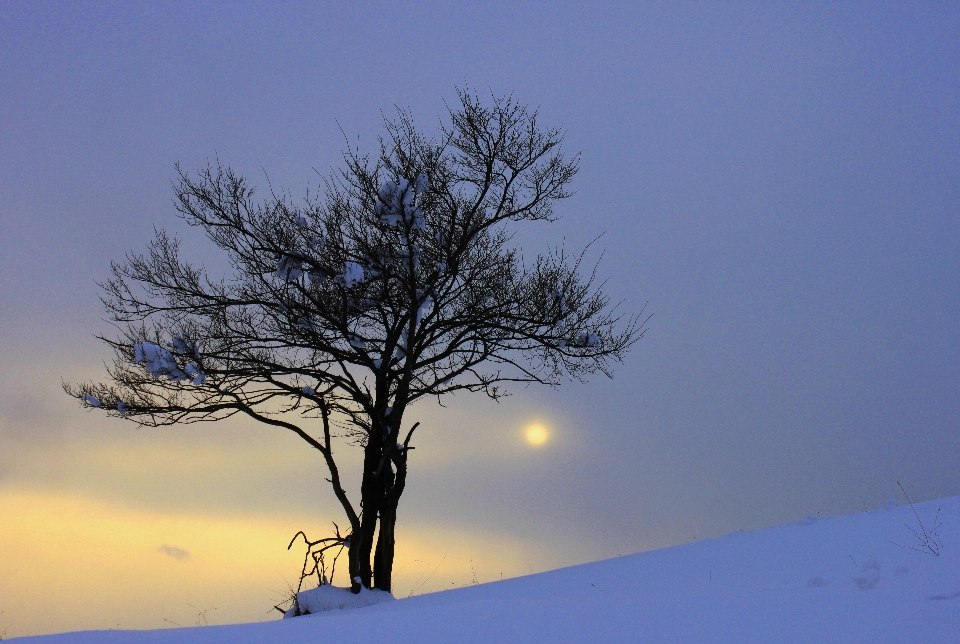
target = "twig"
x: 420, y: 584
x: 928, y: 541
x: 201, y: 614
x: 316, y: 551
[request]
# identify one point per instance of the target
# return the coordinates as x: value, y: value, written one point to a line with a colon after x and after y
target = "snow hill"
x: 838, y: 579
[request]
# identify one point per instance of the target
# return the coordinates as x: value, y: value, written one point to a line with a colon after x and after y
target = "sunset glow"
x: 138, y: 568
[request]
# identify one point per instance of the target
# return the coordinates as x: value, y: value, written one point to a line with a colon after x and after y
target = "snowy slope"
x: 839, y: 579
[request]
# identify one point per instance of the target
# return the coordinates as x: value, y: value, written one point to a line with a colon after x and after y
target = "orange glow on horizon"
x: 109, y: 566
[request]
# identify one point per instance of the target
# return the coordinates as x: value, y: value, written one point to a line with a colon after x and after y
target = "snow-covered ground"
x: 839, y: 579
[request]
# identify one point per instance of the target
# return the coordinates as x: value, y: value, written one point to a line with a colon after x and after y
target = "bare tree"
x: 399, y: 283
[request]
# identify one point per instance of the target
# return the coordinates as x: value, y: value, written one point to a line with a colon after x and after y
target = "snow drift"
x: 327, y: 597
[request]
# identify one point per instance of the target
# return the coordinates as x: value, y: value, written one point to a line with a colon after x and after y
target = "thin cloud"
x: 177, y: 553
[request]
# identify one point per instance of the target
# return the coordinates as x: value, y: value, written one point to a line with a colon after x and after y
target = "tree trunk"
x: 353, y: 562
x: 383, y: 556
x: 383, y: 562
x: 371, y: 498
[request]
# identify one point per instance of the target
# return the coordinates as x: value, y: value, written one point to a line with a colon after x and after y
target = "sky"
x: 776, y: 183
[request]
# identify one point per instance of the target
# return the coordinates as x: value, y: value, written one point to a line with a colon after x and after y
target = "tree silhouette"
x: 400, y: 282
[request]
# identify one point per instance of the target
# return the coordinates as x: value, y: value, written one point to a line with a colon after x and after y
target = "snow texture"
x: 327, y: 597
x: 91, y: 400
x: 195, y: 373
x: 835, y: 579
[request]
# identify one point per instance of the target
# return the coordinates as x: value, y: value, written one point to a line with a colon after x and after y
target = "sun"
x: 536, y: 434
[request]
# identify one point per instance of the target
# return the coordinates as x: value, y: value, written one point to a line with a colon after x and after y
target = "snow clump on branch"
x: 425, y: 309
x: 289, y: 268
x: 182, y: 347
x: 356, y: 341
x: 198, y: 376
x: 91, y: 400
x: 396, y: 202
x: 159, y: 362
x: 589, y: 340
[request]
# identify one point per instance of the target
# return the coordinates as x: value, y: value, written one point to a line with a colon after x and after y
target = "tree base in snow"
x: 329, y: 597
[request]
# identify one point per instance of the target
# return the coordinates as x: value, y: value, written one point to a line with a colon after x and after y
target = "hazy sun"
x: 536, y: 434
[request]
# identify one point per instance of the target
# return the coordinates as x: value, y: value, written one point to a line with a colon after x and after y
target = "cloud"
x: 175, y: 552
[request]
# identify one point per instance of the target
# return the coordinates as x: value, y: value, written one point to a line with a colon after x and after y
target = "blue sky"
x: 778, y: 184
